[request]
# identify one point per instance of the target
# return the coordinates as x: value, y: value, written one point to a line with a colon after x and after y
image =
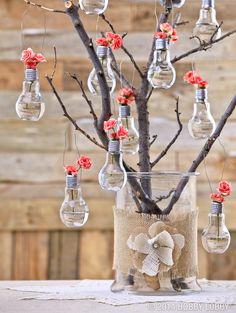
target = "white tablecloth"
x: 213, y: 292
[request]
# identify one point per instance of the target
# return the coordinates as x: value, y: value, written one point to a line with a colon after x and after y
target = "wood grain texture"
x: 6, y: 257
x: 96, y: 254
x: 30, y: 255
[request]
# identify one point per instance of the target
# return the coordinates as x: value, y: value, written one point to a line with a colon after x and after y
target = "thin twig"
x: 159, y: 199
x: 126, y: 51
x: 154, y: 138
x: 67, y: 115
x: 43, y: 7
x: 55, y: 62
x: 202, y: 47
x: 84, y: 95
x: 164, y: 152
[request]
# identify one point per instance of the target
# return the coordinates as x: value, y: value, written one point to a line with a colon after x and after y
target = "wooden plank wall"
x: 33, y: 242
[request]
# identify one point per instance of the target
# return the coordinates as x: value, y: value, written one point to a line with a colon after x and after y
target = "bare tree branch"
x: 164, y: 152
x: 159, y: 199
x: 66, y: 114
x: 43, y: 7
x: 123, y: 47
x: 204, y: 46
x: 201, y: 156
x: 84, y: 95
x: 72, y: 12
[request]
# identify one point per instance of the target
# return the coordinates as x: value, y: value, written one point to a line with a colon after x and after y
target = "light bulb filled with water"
x: 113, y: 176
x: 207, y: 24
x: 93, y: 6
x: 93, y: 83
x: 202, y: 123
x: 30, y: 106
x: 161, y: 73
x: 130, y: 144
x: 216, y: 237
x: 74, y: 211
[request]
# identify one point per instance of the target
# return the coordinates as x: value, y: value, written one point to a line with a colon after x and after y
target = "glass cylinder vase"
x: 155, y: 253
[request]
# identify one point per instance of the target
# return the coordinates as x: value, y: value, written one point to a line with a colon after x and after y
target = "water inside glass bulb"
x: 207, y: 25
x: 161, y: 73
x: 130, y: 144
x: 216, y: 237
x: 202, y: 123
x: 113, y: 176
x: 29, y: 105
x: 94, y: 6
x: 93, y: 83
x: 74, y: 211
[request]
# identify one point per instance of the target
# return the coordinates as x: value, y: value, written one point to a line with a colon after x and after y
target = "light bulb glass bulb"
x: 74, y: 211
x: 94, y: 6
x: 172, y: 3
x: 113, y: 176
x: 216, y: 237
x: 161, y: 73
x: 93, y: 83
x: 130, y: 144
x: 207, y: 23
x: 202, y: 124
x: 30, y: 106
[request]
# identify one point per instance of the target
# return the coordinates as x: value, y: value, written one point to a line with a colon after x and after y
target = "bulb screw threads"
x: 71, y: 181
x: 201, y: 94
x: 216, y: 208
x: 102, y: 51
x: 161, y: 44
x: 124, y: 111
x: 114, y: 146
x: 208, y: 3
x: 30, y: 74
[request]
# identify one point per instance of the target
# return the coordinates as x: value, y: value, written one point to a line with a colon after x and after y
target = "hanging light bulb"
x: 30, y: 105
x: 207, y: 24
x: 113, y: 176
x: 74, y: 211
x: 130, y: 144
x: 93, y: 83
x: 202, y: 124
x: 216, y: 237
x: 93, y: 6
x: 172, y: 3
x: 161, y: 73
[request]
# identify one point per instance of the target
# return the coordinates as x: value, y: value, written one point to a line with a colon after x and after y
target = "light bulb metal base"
x: 216, y: 208
x: 114, y: 146
x: 161, y: 44
x: 31, y: 74
x: 201, y: 94
x: 208, y: 3
x: 71, y: 181
x: 102, y: 51
x: 124, y: 111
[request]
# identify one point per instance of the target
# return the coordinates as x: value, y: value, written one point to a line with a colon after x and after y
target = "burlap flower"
x: 156, y: 251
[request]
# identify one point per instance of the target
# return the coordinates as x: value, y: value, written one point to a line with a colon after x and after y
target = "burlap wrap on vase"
x: 125, y: 222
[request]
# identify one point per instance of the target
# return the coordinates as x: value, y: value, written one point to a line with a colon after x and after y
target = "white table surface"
x: 10, y: 302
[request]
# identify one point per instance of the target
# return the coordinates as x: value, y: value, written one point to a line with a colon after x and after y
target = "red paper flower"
x: 126, y: 96
x: 191, y: 77
x: 224, y: 188
x: 102, y: 42
x: 71, y: 170
x: 217, y: 197
x: 84, y: 162
x: 167, y: 31
x: 166, y: 28
x: 108, y: 125
x: 32, y: 59
x: 111, y: 40
x: 160, y: 35
x: 122, y: 132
